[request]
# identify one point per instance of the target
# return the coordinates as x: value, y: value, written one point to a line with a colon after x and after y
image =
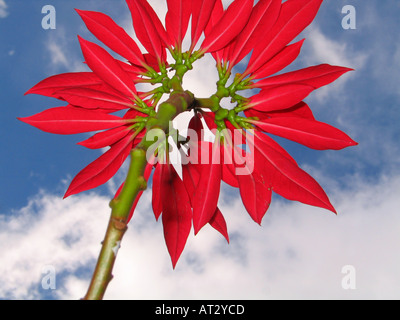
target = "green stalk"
x: 135, y: 182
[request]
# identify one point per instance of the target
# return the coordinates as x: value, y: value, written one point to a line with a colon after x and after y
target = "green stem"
x: 135, y: 182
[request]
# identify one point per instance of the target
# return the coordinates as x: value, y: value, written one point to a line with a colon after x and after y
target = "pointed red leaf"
x: 313, y: 134
x: 201, y: 13
x: 262, y: 18
x: 228, y: 176
x: 216, y: 15
x: 112, y: 35
x: 229, y: 26
x: 105, y: 138
x: 294, y: 17
x: 316, y: 76
x: 254, y: 191
x: 280, y: 61
x: 177, y: 20
x: 148, y: 28
x: 106, y: 67
x: 276, y: 146
x: 301, y: 110
x: 156, y: 191
x: 177, y: 213
x: 153, y: 62
x: 133, y: 70
x: 279, y: 97
x: 93, y: 99
x: 218, y: 223
x: 196, y: 125
x: 286, y: 178
x: 72, y: 120
x: 208, y: 188
x: 191, y: 179
x: 102, y: 169
x: 48, y: 86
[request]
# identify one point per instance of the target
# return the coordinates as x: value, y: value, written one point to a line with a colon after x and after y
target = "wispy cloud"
x: 58, y: 58
x: 3, y: 9
x: 63, y: 53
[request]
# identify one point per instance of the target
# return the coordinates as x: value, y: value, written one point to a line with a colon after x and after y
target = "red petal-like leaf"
x: 196, y: 125
x: 133, y: 70
x: 177, y: 213
x: 261, y: 20
x: 72, y: 120
x: 177, y: 20
x: 148, y: 27
x: 301, y: 110
x: 294, y: 17
x: 152, y: 61
x: 201, y: 13
x: 254, y: 191
x: 286, y: 178
x: 48, y: 86
x: 106, y: 67
x: 216, y: 15
x: 105, y: 138
x: 102, y: 169
x: 218, y: 223
x: 280, y: 61
x: 276, y: 146
x: 229, y: 26
x: 228, y: 176
x: 112, y: 35
x: 93, y: 99
x: 313, y: 134
x: 208, y: 188
x: 156, y: 191
x: 316, y: 76
x: 280, y: 97
x: 191, y: 179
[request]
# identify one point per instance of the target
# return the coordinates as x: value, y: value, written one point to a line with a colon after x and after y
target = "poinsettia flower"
x: 242, y: 154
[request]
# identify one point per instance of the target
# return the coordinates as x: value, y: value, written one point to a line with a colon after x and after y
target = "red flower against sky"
x: 254, y: 38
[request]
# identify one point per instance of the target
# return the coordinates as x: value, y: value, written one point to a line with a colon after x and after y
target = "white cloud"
x: 3, y: 9
x: 48, y: 231
x: 62, y: 53
x: 298, y: 253
x: 57, y: 55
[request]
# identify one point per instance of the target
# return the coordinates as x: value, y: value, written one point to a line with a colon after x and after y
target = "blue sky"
x: 299, y: 251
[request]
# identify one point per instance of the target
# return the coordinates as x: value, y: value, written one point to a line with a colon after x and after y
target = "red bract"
x: 176, y: 211
x: 241, y: 155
